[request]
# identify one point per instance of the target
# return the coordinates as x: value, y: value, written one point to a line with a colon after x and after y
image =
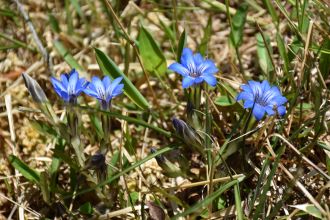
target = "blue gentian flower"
x: 69, y: 86
x: 195, y: 69
x: 104, y: 90
x: 263, y: 98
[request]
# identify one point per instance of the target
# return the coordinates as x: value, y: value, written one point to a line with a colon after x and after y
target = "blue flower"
x: 70, y: 86
x: 195, y: 69
x: 263, y: 98
x: 104, y: 90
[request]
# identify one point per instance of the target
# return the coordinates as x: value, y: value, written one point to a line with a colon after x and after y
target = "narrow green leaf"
x: 134, y: 197
x: 198, y: 207
x: 54, y: 23
x: 108, y: 67
x: 257, y: 189
x: 168, y: 31
x: 265, y: 189
x: 9, y: 47
x: 15, y: 41
x: 67, y: 56
x: 7, y: 12
x: 86, y: 208
x: 43, y: 127
x: 152, y: 57
x: 66, y: 158
x: 181, y: 44
x: 327, y: 160
x: 224, y: 100
x: 238, y: 21
x: 206, y: 37
x: 77, y: 7
x: 264, y: 59
x: 325, y: 59
x: 54, y: 167
x: 79, y: 151
x: 44, y: 186
x: 24, y: 169
x: 271, y: 11
x: 283, y: 52
x: 96, y: 122
x: 238, y: 202
x: 69, y: 20
x: 309, y: 209
x: 303, y: 18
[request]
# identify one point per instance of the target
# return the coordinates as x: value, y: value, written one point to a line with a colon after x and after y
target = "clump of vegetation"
x: 165, y: 109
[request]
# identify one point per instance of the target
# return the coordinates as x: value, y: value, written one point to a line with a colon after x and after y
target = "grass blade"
x: 325, y: 59
x: 265, y: 61
x: 198, y: 207
x: 237, y: 27
x: 271, y: 11
x: 283, y: 52
x: 67, y: 56
x: 24, y: 169
x: 206, y: 38
x: 181, y: 44
x: 263, y: 196
x: 238, y: 202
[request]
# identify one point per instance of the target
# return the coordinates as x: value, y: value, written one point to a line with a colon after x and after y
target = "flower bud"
x: 34, y: 88
x: 39, y: 97
x: 170, y: 169
x: 188, y: 134
x: 97, y: 163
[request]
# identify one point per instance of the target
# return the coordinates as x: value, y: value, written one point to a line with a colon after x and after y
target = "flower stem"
x: 73, y: 123
x: 106, y: 125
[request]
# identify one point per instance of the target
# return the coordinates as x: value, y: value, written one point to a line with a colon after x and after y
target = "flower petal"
x: 178, y: 68
x: 81, y: 85
x: 198, y: 59
x: 245, y: 96
x: 113, y: 87
x: 269, y: 110
x: 99, y: 87
x: 58, y: 86
x: 64, y: 79
x: 187, y: 60
x: 281, y: 110
x: 275, y: 90
x: 265, y: 85
x: 106, y: 82
x: 187, y: 81
x: 72, y: 83
x: 118, y: 90
x: 90, y: 91
x: 255, y: 87
x: 210, y: 79
x: 198, y: 80
x: 258, y: 111
x: 248, y: 104
x: 280, y: 100
x: 208, y: 67
x: 247, y: 88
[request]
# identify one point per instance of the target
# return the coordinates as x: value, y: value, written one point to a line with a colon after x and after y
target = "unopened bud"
x: 170, y: 169
x: 97, y: 163
x: 34, y: 88
x: 188, y: 134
